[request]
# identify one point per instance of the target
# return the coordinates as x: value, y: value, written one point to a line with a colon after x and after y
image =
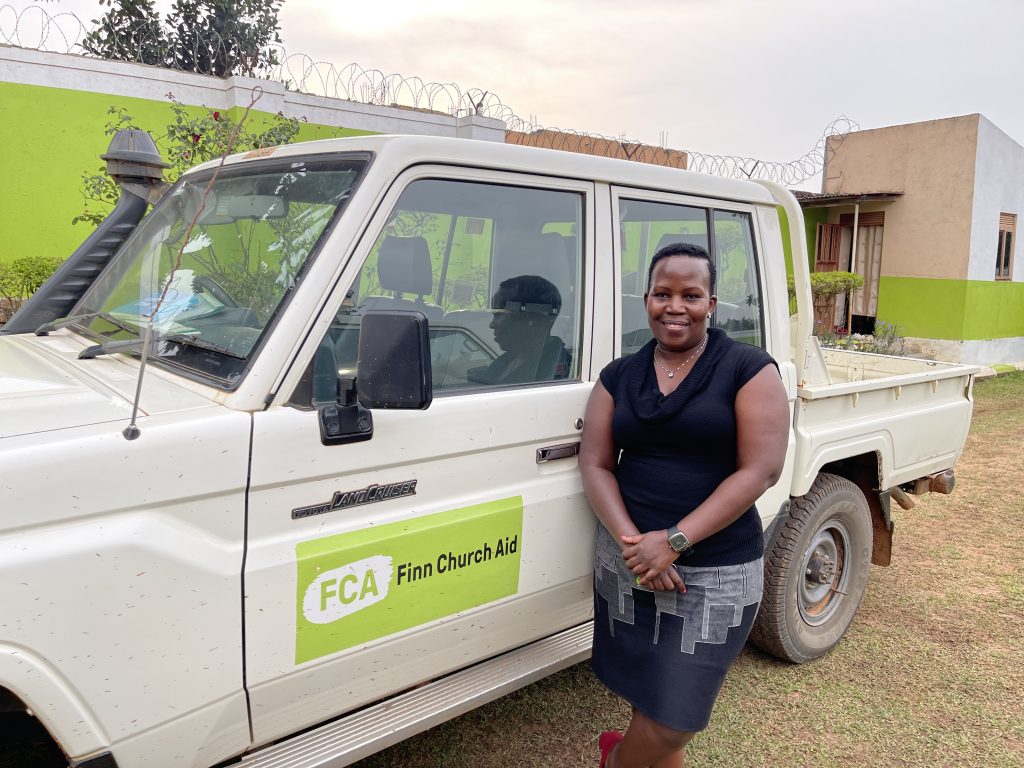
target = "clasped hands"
x: 649, y: 556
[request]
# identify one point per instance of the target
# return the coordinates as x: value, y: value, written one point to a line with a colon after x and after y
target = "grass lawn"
x: 930, y: 674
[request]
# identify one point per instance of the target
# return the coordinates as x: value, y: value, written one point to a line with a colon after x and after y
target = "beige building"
x: 927, y: 214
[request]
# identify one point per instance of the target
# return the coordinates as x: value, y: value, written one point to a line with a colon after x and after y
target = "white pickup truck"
x: 348, y: 507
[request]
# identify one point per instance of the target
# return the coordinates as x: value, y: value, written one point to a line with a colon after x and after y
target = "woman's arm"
x: 762, y: 432
x: 597, y: 466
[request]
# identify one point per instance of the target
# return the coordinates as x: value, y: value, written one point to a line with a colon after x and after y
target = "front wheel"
x: 816, y: 572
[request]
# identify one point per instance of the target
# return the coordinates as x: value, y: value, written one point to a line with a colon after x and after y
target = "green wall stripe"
x: 49, y: 137
x: 952, y: 309
x: 995, y: 310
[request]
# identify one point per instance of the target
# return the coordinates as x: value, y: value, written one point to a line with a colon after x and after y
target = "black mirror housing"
x: 394, y: 360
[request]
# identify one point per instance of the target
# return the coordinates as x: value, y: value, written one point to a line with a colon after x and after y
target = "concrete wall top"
x: 118, y: 78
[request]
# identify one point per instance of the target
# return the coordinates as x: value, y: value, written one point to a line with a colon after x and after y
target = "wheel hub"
x: 824, y: 575
x: 821, y: 569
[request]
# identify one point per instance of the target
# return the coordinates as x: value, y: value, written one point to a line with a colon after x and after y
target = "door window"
x: 645, y: 227
x: 496, y: 270
x: 739, y: 290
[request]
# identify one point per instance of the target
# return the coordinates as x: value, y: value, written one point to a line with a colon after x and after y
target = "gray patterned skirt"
x: 667, y: 653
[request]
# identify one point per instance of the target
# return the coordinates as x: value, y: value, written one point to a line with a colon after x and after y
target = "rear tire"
x: 816, y: 572
x: 24, y: 742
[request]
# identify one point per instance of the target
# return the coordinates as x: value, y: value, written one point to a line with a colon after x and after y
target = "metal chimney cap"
x: 131, y: 145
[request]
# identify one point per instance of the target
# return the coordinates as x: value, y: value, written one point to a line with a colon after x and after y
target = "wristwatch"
x: 678, y: 541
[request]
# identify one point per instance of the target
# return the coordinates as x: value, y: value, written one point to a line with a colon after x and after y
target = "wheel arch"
x: 834, y: 509
x: 28, y: 683
x: 865, y: 470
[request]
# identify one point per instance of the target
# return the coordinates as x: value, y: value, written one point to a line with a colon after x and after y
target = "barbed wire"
x: 36, y: 28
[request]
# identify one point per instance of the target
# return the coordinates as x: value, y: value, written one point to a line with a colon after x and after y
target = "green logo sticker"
x: 356, y: 587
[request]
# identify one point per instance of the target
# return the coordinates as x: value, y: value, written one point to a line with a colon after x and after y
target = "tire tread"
x: 769, y: 631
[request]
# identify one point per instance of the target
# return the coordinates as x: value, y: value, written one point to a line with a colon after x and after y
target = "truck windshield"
x: 212, y: 274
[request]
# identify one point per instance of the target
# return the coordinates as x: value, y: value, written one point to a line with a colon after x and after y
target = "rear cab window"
x: 647, y: 225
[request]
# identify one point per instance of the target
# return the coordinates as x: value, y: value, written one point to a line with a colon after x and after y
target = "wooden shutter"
x: 866, y: 219
x: 826, y: 250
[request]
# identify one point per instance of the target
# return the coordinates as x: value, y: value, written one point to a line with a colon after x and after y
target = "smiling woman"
x: 681, y: 438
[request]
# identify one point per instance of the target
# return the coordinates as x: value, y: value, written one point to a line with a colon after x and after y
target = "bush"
x: 825, y: 285
x: 886, y: 340
x: 21, y: 278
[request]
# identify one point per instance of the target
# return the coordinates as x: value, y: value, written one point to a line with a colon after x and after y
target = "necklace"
x: 672, y: 373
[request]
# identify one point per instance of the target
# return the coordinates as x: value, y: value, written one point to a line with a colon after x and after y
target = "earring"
x: 709, y: 315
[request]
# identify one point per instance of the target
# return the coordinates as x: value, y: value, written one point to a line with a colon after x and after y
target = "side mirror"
x: 393, y: 372
x: 394, y: 360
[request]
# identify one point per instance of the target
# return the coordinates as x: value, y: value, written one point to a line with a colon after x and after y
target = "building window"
x: 1004, y: 252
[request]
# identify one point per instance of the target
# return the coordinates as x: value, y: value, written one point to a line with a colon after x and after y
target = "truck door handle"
x: 552, y: 452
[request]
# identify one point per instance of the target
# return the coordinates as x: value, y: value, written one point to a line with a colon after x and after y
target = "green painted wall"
x: 952, y: 309
x: 787, y: 243
x: 49, y: 137
x: 995, y: 310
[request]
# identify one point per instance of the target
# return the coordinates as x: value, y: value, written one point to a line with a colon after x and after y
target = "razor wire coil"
x: 36, y: 28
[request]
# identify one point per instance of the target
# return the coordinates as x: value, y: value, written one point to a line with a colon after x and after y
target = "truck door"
x: 456, y: 532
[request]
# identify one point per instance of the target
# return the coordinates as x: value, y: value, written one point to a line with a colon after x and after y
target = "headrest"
x: 545, y: 255
x: 403, y: 265
x: 682, y: 237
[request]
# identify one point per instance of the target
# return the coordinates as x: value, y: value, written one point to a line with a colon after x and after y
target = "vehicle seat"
x: 544, y: 255
x: 635, y: 330
x: 403, y: 266
x: 548, y: 255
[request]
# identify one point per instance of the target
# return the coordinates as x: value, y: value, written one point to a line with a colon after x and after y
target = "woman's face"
x: 679, y: 301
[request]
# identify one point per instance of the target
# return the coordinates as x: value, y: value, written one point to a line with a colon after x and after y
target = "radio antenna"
x: 132, y: 431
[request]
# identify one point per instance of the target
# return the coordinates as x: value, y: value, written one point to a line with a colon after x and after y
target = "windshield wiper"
x: 45, y: 328
x: 126, y: 345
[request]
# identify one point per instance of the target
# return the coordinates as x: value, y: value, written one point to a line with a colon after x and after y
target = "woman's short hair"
x: 683, y: 249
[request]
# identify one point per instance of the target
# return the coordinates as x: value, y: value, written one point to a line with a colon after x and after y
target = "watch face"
x: 679, y: 542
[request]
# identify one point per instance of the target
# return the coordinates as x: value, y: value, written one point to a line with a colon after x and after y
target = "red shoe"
x: 606, y: 743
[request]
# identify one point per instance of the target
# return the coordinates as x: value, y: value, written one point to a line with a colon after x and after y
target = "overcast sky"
x: 757, y: 78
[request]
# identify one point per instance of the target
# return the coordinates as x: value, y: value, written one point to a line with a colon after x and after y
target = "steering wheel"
x: 205, y: 283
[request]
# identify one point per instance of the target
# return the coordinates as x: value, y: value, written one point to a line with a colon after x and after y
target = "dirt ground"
x: 930, y: 674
